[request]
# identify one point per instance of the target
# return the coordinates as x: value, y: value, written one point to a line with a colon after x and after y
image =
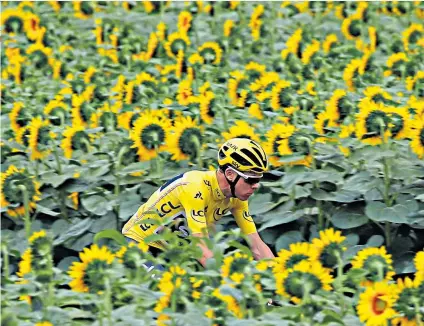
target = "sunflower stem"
x: 5, y: 262
x: 108, y: 303
x: 198, y: 151
x: 87, y: 144
x: 418, y: 316
x: 117, y: 189
x: 27, y: 219
x: 63, y: 209
x: 56, y: 156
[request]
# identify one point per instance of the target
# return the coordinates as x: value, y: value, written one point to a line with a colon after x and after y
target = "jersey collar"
x: 216, y: 190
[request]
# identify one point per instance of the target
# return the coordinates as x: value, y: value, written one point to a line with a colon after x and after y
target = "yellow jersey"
x: 193, y: 201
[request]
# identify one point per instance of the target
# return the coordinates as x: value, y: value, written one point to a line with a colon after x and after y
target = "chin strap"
x: 232, y: 184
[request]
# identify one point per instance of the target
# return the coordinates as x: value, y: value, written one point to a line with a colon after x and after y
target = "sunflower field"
x: 102, y: 102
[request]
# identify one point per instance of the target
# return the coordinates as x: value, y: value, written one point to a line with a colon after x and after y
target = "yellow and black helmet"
x: 244, y: 155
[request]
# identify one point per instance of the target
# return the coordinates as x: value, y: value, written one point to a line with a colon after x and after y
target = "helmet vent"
x: 250, y: 155
x: 261, y: 156
x: 240, y: 159
x: 221, y: 154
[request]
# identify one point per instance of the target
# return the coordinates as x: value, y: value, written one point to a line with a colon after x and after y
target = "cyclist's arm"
x: 194, y: 201
x: 207, y: 253
x: 260, y: 249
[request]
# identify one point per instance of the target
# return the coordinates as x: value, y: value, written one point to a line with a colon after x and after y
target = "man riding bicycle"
x: 196, y: 200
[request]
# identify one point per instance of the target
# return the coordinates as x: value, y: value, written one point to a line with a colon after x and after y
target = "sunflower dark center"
x: 55, y: 114
x: 94, y: 275
x: 80, y: 140
x: 186, y: 143
x: 328, y: 256
x: 398, y: 124
x: 377, y: 268
x: 374, y: 120
x: 414, y: 37
x: 12, y: 194
x: 208, y: 54
x: 298, y: 145
x: 293, y: 260
x: 87, y: 8
x: 275, y: 144
x: 297, y: 282
x: 152, y: 135
x: 23, y: 118
x: 285, y: 98
x: 355, y: 28
x: 238, y: 265
x: 14, y: 25
x: 178, y: 45
x: 44, y: 136
x: 39, y: 58
x: 109, y: 121
x: 422, y: 137
x: 86, y: 112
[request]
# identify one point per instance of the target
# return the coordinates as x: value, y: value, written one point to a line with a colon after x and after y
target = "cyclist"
x: 196, y: 200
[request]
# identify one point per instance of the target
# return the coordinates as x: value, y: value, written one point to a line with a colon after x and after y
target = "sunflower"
x: 372, y: 119
x: 351, y: 26
x: 255, y: 70
x: 56, y: 5
x: 417, y: 138
x: 281, y: 95
x: 351, y: 72
x: 184, y: 92
x: 32, y: 28
x: 234, y: 267
x: 24, y: 268
x: 13, y: 20
x: 161, y: 31
x: 309, y: 53
x: 293, y: 44
x: 184, y: 21
x: 176, y: 41
x: 377, y: 262
x: 305, y: 278
x: 40, y: 136
x: 375, y: 306
x: 149, y: 135
x: 400, y: 124
x: 265, y: 83
x: 329, y: 246
x: 207, y: 114
x: 105, y: 117
x: 211, y: 53
x: 329, y: 43
x: 88, y: 275
x: 255, y: 111
x: 82, y: 112
x: 294, y: 8
x: 396, y: 64
x: 44, y: 323
x: 419, y: 261
x: 56, y: 110
x: 277, y: 133
x: 186, y: 140
x: 228, y: 27
x: 75, y: 138
x: 256, y: 22
x: 19, y: 116
x: 11, y: 194
x: 286, y: 259
x: 132, y: 255
x: 416, y: 83
x: 325, y: 120
x: 241, y: 130
x: 377, y: 94
x: 412, y: 35
x: 236, y: 83
x: 84, y: 9
x: 338, y: 105
x: 39, y: 54
x: 152, y: 45
x: 404, y: 305
x: 230, y: 302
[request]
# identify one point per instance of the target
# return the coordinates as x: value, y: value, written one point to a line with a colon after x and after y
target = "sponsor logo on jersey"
x: 207, y: 183
x: 196, y: 214
x: 166, y: 208
x: 247, y: 216
x: 219, y: 212
x: 199, y: 195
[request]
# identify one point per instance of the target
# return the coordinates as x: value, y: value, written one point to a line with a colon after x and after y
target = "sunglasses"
x: 247, y: 179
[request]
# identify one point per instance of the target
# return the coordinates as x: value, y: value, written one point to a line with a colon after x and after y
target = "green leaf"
x: 281, y: 218
x: 284, y: 241
x: 46, y: 210
x: 374, y: 209
x: 80, y: 243
x: 405, y: 263
x: 376, y: 240
x: 111, y: 234
x: 129, y: 206
x: 107, y: 221
x: 66, y: 262
x: 344, y: 219
x: 331, y: 317
x: 260, y: 203
x: 96, y: 204
x: 74, y: 231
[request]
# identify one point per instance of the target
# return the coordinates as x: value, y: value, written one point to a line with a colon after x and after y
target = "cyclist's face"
x: 244, y: 189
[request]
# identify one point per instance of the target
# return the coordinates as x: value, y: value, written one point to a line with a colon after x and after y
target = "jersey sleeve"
x: 194, y: 200
x: 243, y: 218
